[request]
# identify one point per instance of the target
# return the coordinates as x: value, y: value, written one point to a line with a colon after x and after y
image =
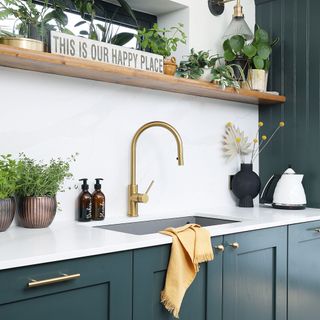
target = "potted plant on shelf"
x: 163, y: 42
x: 253, y: 57
x: 246, y: 183
x: 8, y: 185
x: 198, y: 66
x: 259, y: 59
x: 224, y: 75
x: 33, y: 24
x: 37, y: 187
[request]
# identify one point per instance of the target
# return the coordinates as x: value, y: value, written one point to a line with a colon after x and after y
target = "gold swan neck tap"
x: 134, y: 196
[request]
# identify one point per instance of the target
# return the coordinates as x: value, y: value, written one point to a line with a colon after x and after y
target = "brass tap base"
x: 133, y: 205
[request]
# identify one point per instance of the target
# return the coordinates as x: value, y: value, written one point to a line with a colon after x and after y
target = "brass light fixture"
x: 238, y: 25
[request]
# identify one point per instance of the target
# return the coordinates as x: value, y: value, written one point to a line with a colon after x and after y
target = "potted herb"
x: 163, y: 42
x: 8, y: 185
x: 198, y: 66
x: 37, y: 187
x: 33, y: 24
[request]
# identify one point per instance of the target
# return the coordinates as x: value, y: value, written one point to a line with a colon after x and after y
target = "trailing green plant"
x: 103, y: 31
x: 224, y: 75
x: 161, y: 41
x: 197, y: 61
x: 8, y: 176
x: 33, y: 22
x: 39, y: 179
x: 257, y: 53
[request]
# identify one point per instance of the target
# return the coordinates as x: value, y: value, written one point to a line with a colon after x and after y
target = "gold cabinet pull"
x: 220, y: 248
x: 235, y: 245
x: 46, y: 282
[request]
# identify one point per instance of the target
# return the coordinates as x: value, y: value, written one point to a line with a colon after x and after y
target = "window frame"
x: 145, y: 20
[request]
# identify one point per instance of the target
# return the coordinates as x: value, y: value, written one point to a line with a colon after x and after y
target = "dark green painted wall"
x: 295, y: 73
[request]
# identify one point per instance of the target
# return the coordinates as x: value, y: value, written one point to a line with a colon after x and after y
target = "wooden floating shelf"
x: 78, y: 68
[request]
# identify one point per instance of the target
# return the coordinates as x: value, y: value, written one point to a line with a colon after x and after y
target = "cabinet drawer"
x: 89, y: 271
x: 305, y: 231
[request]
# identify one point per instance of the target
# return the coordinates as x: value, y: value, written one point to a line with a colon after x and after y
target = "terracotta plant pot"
x: 170, y: 66
x: 37, y: 212
x: 7, y: 211
x: 258, y: 79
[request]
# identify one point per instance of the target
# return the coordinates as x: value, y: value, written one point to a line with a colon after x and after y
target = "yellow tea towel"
x: 191, y: 245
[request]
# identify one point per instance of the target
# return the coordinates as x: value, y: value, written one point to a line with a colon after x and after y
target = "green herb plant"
x: 33, y: 22
x: 197, y: 61
x: 8, y: 176
x: 161, y: 41
x: 257, y: 53
x: 224, y: 75
x: 39, y: 179
x: 106, y: 31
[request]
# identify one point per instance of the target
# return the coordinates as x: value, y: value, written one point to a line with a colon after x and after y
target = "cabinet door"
x: 254, y: 275
x: 150, y: 267
x: 304, y: 271
x: 103, y: 291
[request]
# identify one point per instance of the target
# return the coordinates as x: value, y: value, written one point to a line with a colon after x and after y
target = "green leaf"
x: 121, y: 38
x: 4, y: 14
x: 80, y: 23
x: 264, y: 51
x: 129, y: 11
x: 229, y: 55
x: 261, y: 36
x: 226, y: 45
x: 258, y: 62
x: 236, y: 43
x: 101, y: 27
x: 249, y: 50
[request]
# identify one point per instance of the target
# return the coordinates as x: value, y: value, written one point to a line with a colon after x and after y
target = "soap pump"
x: 98, y: 202
x: 85, y: 202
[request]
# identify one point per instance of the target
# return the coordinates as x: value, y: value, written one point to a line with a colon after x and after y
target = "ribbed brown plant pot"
x: 7, y: 211
x: 170, y: 66
x: 37, y: 212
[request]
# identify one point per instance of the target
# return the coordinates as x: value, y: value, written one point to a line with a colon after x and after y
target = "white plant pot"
x: 258, y: 80
x: 206, y: 76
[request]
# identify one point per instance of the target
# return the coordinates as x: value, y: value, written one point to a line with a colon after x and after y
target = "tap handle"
x: 150, y: 186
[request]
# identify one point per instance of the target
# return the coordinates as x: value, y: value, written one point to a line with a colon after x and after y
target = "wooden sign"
x: 87, y: 49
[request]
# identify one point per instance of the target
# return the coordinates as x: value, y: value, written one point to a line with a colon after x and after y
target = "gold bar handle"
x: 46, y: 282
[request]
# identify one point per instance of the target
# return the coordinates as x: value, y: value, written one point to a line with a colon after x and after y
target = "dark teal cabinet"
x: 103, y: 291
x: 255, y: 275
x: 202, y: 301
x: 304, y: 271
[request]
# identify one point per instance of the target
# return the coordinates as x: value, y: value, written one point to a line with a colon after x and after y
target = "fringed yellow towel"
x: 191, y: 245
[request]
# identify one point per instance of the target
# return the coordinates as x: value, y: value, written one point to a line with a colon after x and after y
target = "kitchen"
x: 76, y: 107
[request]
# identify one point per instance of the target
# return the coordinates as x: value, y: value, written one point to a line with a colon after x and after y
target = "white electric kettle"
x: 289, y: 192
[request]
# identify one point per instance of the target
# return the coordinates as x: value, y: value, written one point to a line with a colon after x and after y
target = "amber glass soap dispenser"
x: 85, y: 202
x: 98, y: 202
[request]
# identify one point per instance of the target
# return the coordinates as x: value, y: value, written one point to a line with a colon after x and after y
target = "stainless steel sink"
x: 154, y: 226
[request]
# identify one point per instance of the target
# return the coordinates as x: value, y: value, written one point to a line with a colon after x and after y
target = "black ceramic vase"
x: 246, y: 185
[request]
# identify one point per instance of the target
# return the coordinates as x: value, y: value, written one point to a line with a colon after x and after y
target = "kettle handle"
x: 266, y: 186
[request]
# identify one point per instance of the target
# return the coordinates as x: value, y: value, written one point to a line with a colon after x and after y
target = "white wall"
x: 49, y: 116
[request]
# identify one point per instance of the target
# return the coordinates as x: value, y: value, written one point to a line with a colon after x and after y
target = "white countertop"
x: 22, y: 247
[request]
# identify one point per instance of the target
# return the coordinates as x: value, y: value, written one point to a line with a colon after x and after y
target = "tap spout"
x: 135, y: 140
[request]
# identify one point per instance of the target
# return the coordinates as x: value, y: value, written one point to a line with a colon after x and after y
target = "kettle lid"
x: 289, y: 170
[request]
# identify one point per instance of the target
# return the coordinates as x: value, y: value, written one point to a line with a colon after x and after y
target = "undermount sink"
x: 154, y: 226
